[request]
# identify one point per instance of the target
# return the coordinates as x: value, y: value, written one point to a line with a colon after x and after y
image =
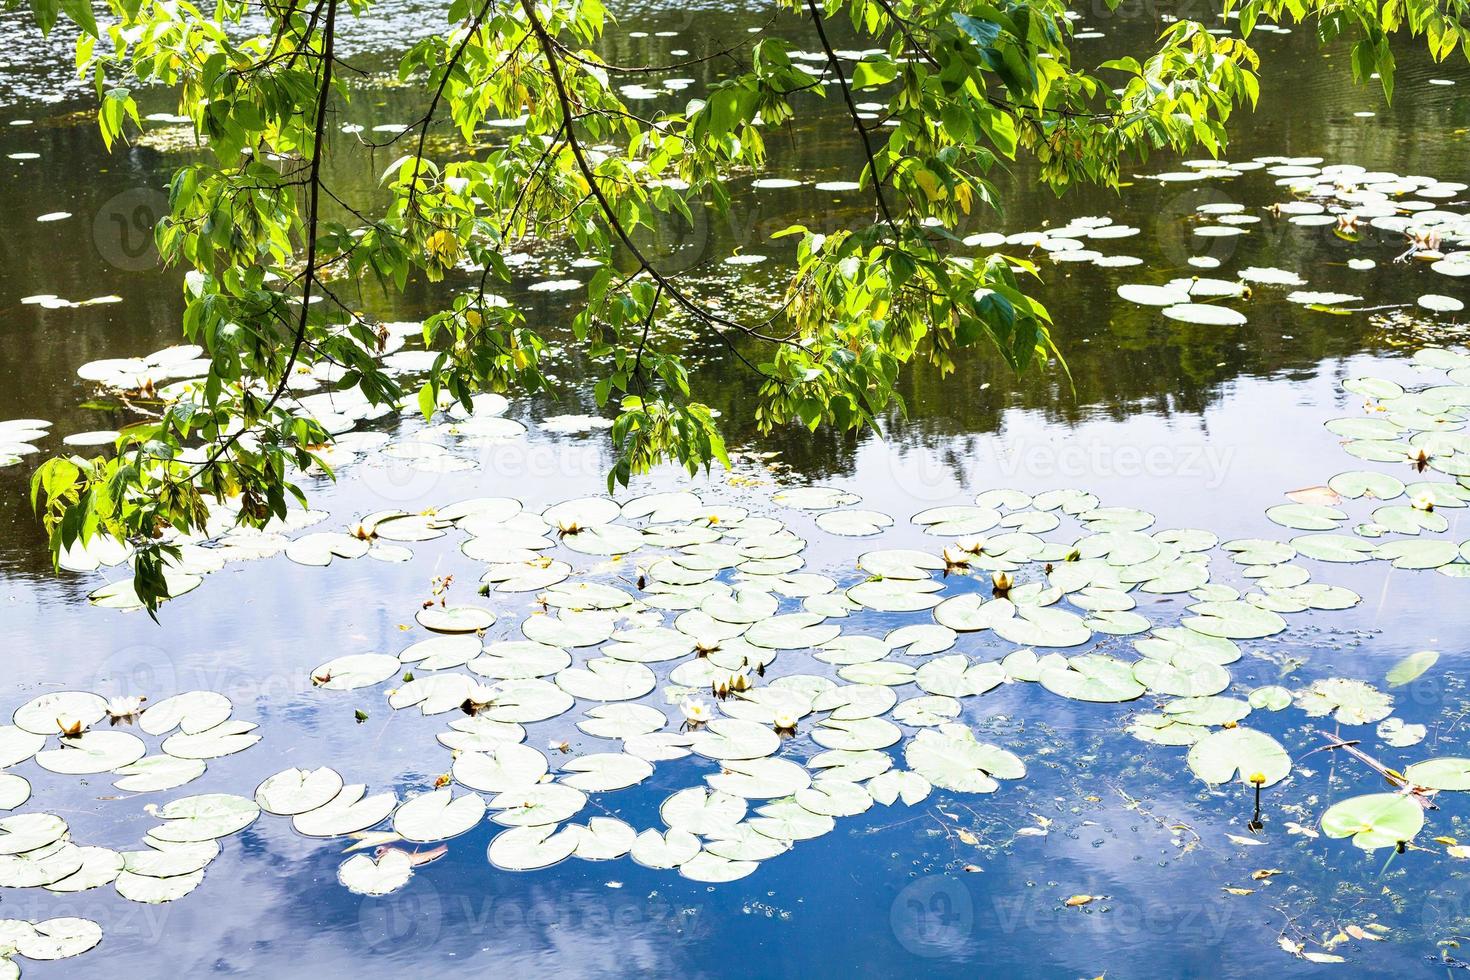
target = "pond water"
x: 1111, y: 856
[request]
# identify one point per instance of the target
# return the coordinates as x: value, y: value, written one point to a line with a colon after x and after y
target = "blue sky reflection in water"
x: 1202, y: 426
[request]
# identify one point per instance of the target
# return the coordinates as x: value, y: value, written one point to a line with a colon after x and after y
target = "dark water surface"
x: 1202, y: 426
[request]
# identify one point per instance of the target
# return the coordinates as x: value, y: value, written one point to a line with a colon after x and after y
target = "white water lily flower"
x: 785, y: 720
x: 124, y: 708
x: 1423, y: 501
x: 695, y: 712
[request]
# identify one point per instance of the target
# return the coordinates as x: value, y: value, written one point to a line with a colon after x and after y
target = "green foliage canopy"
x: 965, y: 85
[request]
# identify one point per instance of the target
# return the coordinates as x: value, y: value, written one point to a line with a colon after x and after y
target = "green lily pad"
x: 951, y: 758
x: 1374, y: 820
x: 1220, y: 755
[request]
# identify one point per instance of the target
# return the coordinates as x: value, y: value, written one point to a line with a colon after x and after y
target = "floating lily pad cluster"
x: 742, y: 607
x: 60, y: 732
x: 1346, y: 198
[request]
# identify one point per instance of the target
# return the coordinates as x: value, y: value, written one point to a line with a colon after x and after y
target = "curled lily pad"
x: 1374, y: 820
x: 1411, y: 667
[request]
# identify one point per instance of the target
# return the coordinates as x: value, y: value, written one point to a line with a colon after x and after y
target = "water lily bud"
x: 1000, y: 584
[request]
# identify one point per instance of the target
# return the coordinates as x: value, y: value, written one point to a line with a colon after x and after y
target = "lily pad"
x: 951, y: 758
x: 1221, y: 755
x: 1374, y: 820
